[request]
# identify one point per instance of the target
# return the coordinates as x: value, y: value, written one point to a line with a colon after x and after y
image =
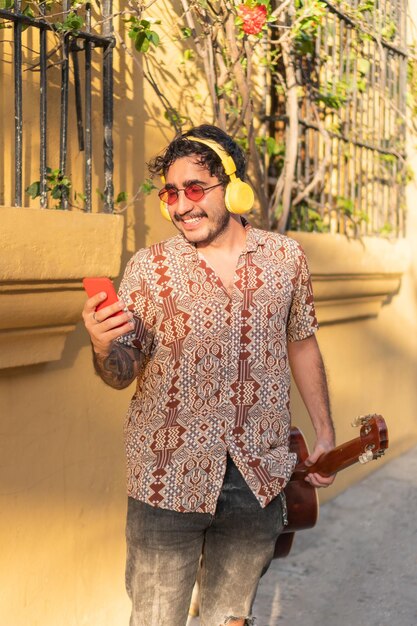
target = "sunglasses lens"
x: 170, y: 196
x: 194, y: 192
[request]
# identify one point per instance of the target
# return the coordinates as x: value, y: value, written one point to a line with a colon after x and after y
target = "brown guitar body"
x: 302, y: 500
x: 301, y: 497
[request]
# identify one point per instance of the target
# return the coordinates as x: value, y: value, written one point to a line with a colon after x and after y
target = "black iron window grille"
x: 351, y: 121
x: 75, y: 42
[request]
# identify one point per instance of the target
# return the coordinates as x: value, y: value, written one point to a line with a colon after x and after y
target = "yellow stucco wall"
x: 61, y: 447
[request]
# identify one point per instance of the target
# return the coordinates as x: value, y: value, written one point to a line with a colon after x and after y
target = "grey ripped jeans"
x: 164, y: 549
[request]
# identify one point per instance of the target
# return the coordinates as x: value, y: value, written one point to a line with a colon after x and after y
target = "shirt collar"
x: 253, y: 237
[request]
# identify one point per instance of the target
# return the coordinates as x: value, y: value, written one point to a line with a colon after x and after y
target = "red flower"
x: 253, y: 18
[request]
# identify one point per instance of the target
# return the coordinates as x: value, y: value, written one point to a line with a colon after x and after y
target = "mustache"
x: 188, y: 216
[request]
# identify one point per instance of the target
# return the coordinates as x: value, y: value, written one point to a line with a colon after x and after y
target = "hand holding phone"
x: 104, y: 330
x: 94, y: 286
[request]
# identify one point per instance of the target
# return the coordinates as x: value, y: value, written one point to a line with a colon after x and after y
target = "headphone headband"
x: 227, y: 161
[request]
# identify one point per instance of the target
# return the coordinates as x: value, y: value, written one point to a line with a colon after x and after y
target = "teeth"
x: 192, y: 220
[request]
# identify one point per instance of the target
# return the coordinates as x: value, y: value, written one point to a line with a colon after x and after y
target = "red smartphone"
x: 94, y: 286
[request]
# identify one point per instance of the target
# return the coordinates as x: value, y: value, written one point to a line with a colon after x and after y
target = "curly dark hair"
x: 181, y: 146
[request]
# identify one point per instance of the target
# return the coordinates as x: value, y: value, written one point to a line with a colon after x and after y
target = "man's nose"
x: 184, y: 204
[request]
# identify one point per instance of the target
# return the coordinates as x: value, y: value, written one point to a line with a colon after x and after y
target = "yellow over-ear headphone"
x: 239, y: 196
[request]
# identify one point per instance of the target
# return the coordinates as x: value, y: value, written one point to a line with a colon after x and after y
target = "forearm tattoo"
x: 117, y: 369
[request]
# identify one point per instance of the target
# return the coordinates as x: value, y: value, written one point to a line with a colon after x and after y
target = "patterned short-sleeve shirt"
x: 214, y: 375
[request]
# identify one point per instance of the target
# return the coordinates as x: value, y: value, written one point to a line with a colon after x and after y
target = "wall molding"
x: 46, y: 253
x: 353, y: 278
x: 44, y: 256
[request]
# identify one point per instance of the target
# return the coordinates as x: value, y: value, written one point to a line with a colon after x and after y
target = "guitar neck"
x: 329, y: 463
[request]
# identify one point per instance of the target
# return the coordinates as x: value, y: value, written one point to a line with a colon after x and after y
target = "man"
x: 214, y: 319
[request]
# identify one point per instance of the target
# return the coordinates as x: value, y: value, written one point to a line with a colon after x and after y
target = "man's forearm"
x: 118, y: 368
x: 310, y: 377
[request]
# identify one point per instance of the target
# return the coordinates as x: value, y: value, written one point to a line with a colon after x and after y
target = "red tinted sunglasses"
x: 193, y: 192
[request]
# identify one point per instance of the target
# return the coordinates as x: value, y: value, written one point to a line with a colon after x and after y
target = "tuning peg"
x: 360, y: 420
x: 367, y: 456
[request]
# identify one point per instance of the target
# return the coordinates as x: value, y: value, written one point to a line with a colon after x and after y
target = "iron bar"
x: 63, y: 140
x: 352, y: 68
x: 43, y: 114
x: 108, y: 108
x: 336, y: 68
x: 98, y: 40
x: 18, y: 105
x: 77, y: 93
x: 347, y: 157
x: 88, y: 133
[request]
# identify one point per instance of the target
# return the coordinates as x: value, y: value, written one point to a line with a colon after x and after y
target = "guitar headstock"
x: 373, y: 435
x: 371, y: 444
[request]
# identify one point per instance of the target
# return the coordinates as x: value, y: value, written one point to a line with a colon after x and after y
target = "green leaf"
x: 386, y: 229
x: 346, y: 205
x: 121, y: 197
x: 369, y: 5
x: 141, y: 42
x: 153, y: 37
x: 72, y: 22
x: 186, y: 32
x: 145, y: 45
x: 34, y: 190
x: 273, y: 148
x: 57, y: 192
x: 147, y: 187
x: 173, y: 116
x: 28, y: 11
x: 188, y: 54
x: 389, y: 31
x: 361, y: 84
x: 388, y: 158
x: 79, y: 195
x: 313, y: 215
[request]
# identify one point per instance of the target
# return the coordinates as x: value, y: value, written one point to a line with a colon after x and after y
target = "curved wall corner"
x: 352, y: 278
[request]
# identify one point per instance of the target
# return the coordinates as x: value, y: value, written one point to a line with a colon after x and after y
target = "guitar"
x: 302, y: 500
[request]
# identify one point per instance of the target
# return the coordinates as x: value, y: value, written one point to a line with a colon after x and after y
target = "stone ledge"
x: 44, y: 256
x: 46, y: 253
x: 352, y: 279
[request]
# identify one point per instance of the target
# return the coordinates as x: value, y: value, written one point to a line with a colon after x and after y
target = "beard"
x: 217, y: 225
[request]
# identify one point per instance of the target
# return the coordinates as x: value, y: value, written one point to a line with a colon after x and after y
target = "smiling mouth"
x: 189, y: 219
